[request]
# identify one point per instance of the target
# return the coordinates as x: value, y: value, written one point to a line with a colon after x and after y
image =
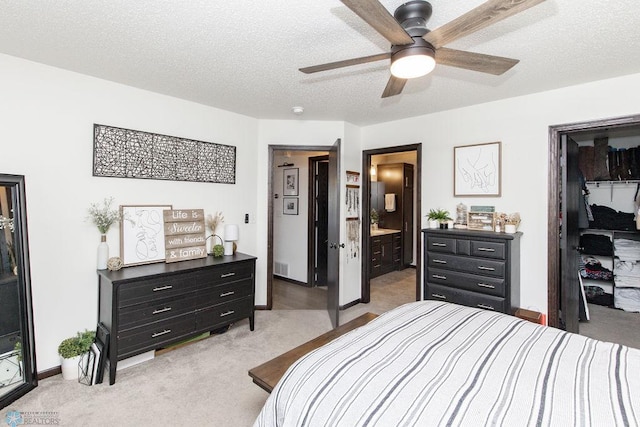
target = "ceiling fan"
x: 415, y: 50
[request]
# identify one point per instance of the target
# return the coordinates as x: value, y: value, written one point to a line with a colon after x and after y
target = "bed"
x: 432, y: 363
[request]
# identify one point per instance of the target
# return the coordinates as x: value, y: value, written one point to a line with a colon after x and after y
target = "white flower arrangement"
x: 103, y: 216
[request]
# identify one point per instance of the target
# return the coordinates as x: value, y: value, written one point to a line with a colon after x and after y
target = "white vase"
x: 434, y: 223
x: 69, y: 368
x: 103, y: 253
x: 510, y: 228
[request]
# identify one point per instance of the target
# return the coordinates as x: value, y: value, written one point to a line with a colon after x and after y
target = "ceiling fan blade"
x: 482, y: 16
x: 345, y: 63
x: 474, y: 61
x: 394, y: 87
x: 375, y: 14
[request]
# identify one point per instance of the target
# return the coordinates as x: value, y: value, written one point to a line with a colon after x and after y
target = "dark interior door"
x: 569, y: 235
x: 333, y: 234
x: 321, y: 222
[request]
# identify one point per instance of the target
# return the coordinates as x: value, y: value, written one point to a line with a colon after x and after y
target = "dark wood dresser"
x: 156, y: 305
x: 474, y: 268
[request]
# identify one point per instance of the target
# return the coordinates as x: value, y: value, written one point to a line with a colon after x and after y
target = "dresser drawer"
x: 225, y: 313
x: 466, y: 264
x: 441, y: 244
x: 156, y: 310
x: 488, y: 249
x: 155, y: 288
x: 380, y: 240
x: 481, y: 284
x: 462, y: 297
x: 155, y: 334
x: 225, y: 274
x: 224, y: 292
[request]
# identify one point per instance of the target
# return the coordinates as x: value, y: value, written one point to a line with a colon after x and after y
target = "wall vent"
x: 281, y: 269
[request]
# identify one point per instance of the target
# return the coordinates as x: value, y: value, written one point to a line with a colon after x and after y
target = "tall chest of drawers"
x: 474, y: 268
x: 153, y: 306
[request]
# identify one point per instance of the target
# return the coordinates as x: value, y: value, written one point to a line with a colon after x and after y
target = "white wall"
x: 522, y: 124
x: 350, y: 268
x: 46, y: 134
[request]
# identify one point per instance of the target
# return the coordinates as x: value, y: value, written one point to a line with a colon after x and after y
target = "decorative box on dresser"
x: 152, y: 306
x: 473, y: 268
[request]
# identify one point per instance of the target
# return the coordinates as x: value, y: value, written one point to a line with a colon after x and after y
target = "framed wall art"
x: 142, y: 234
x: 290, y: 206
x: 128, y: 153
x: 290, y: 182
x: 477, y: 170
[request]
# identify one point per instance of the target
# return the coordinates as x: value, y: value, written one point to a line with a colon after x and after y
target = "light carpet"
x: 203, y: 384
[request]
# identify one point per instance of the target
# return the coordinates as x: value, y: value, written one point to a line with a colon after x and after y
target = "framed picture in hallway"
x: 290, y: 182
x: 290, y: 206
x: 477, y: 170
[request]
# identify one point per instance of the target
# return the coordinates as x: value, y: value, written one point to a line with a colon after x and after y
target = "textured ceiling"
x: 243, y: 56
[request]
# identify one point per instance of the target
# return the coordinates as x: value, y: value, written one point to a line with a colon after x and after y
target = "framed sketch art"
x: 290, y: 206
x: 290, y: 182
x: 477, y: 170
x: 142, y: 234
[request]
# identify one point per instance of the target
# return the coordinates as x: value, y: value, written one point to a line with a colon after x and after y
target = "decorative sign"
x: 184, y: 235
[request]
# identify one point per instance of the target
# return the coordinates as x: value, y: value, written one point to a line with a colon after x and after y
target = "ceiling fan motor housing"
x: 413, y: 17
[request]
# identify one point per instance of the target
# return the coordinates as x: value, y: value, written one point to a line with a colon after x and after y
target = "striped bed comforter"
x: 431, y: 363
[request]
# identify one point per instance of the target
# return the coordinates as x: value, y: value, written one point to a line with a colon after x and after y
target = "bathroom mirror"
x: 17, y: 349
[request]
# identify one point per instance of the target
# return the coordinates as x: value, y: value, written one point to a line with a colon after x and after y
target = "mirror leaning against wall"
x: 17, y: 348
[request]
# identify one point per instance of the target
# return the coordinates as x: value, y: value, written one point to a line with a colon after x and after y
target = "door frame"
x: 270, y: 204
x: 553, y: 237
x: 312, y: 244
x: 366, y: 221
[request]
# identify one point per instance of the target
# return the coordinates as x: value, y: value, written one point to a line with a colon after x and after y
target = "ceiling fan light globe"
x: 412, y: 66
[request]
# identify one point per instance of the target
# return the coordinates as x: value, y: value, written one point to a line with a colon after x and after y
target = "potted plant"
x: 374, y: 219
x: 438, y: 217
x: 71, y: 350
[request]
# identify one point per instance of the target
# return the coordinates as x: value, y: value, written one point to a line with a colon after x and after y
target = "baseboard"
x: 261, y: 307
x: 351, y: 304
x: 56, y: 370
x: 295, y: 282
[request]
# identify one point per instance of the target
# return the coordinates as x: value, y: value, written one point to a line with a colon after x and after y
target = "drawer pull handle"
x: 484, y: 285
x: 376, y: 253
x: 439, y: 276
x: 222, y: 276
x: 441, y: 245
x: 481, y: 267
x: 486, y: 307
x: 162, y: 310
x: 162, y: 288
x: 227, y: 313
x: 157, y: 334
x: 439, y: 261
x: 486, y: 249
x: 438, y: 296
x: 226, y: 294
